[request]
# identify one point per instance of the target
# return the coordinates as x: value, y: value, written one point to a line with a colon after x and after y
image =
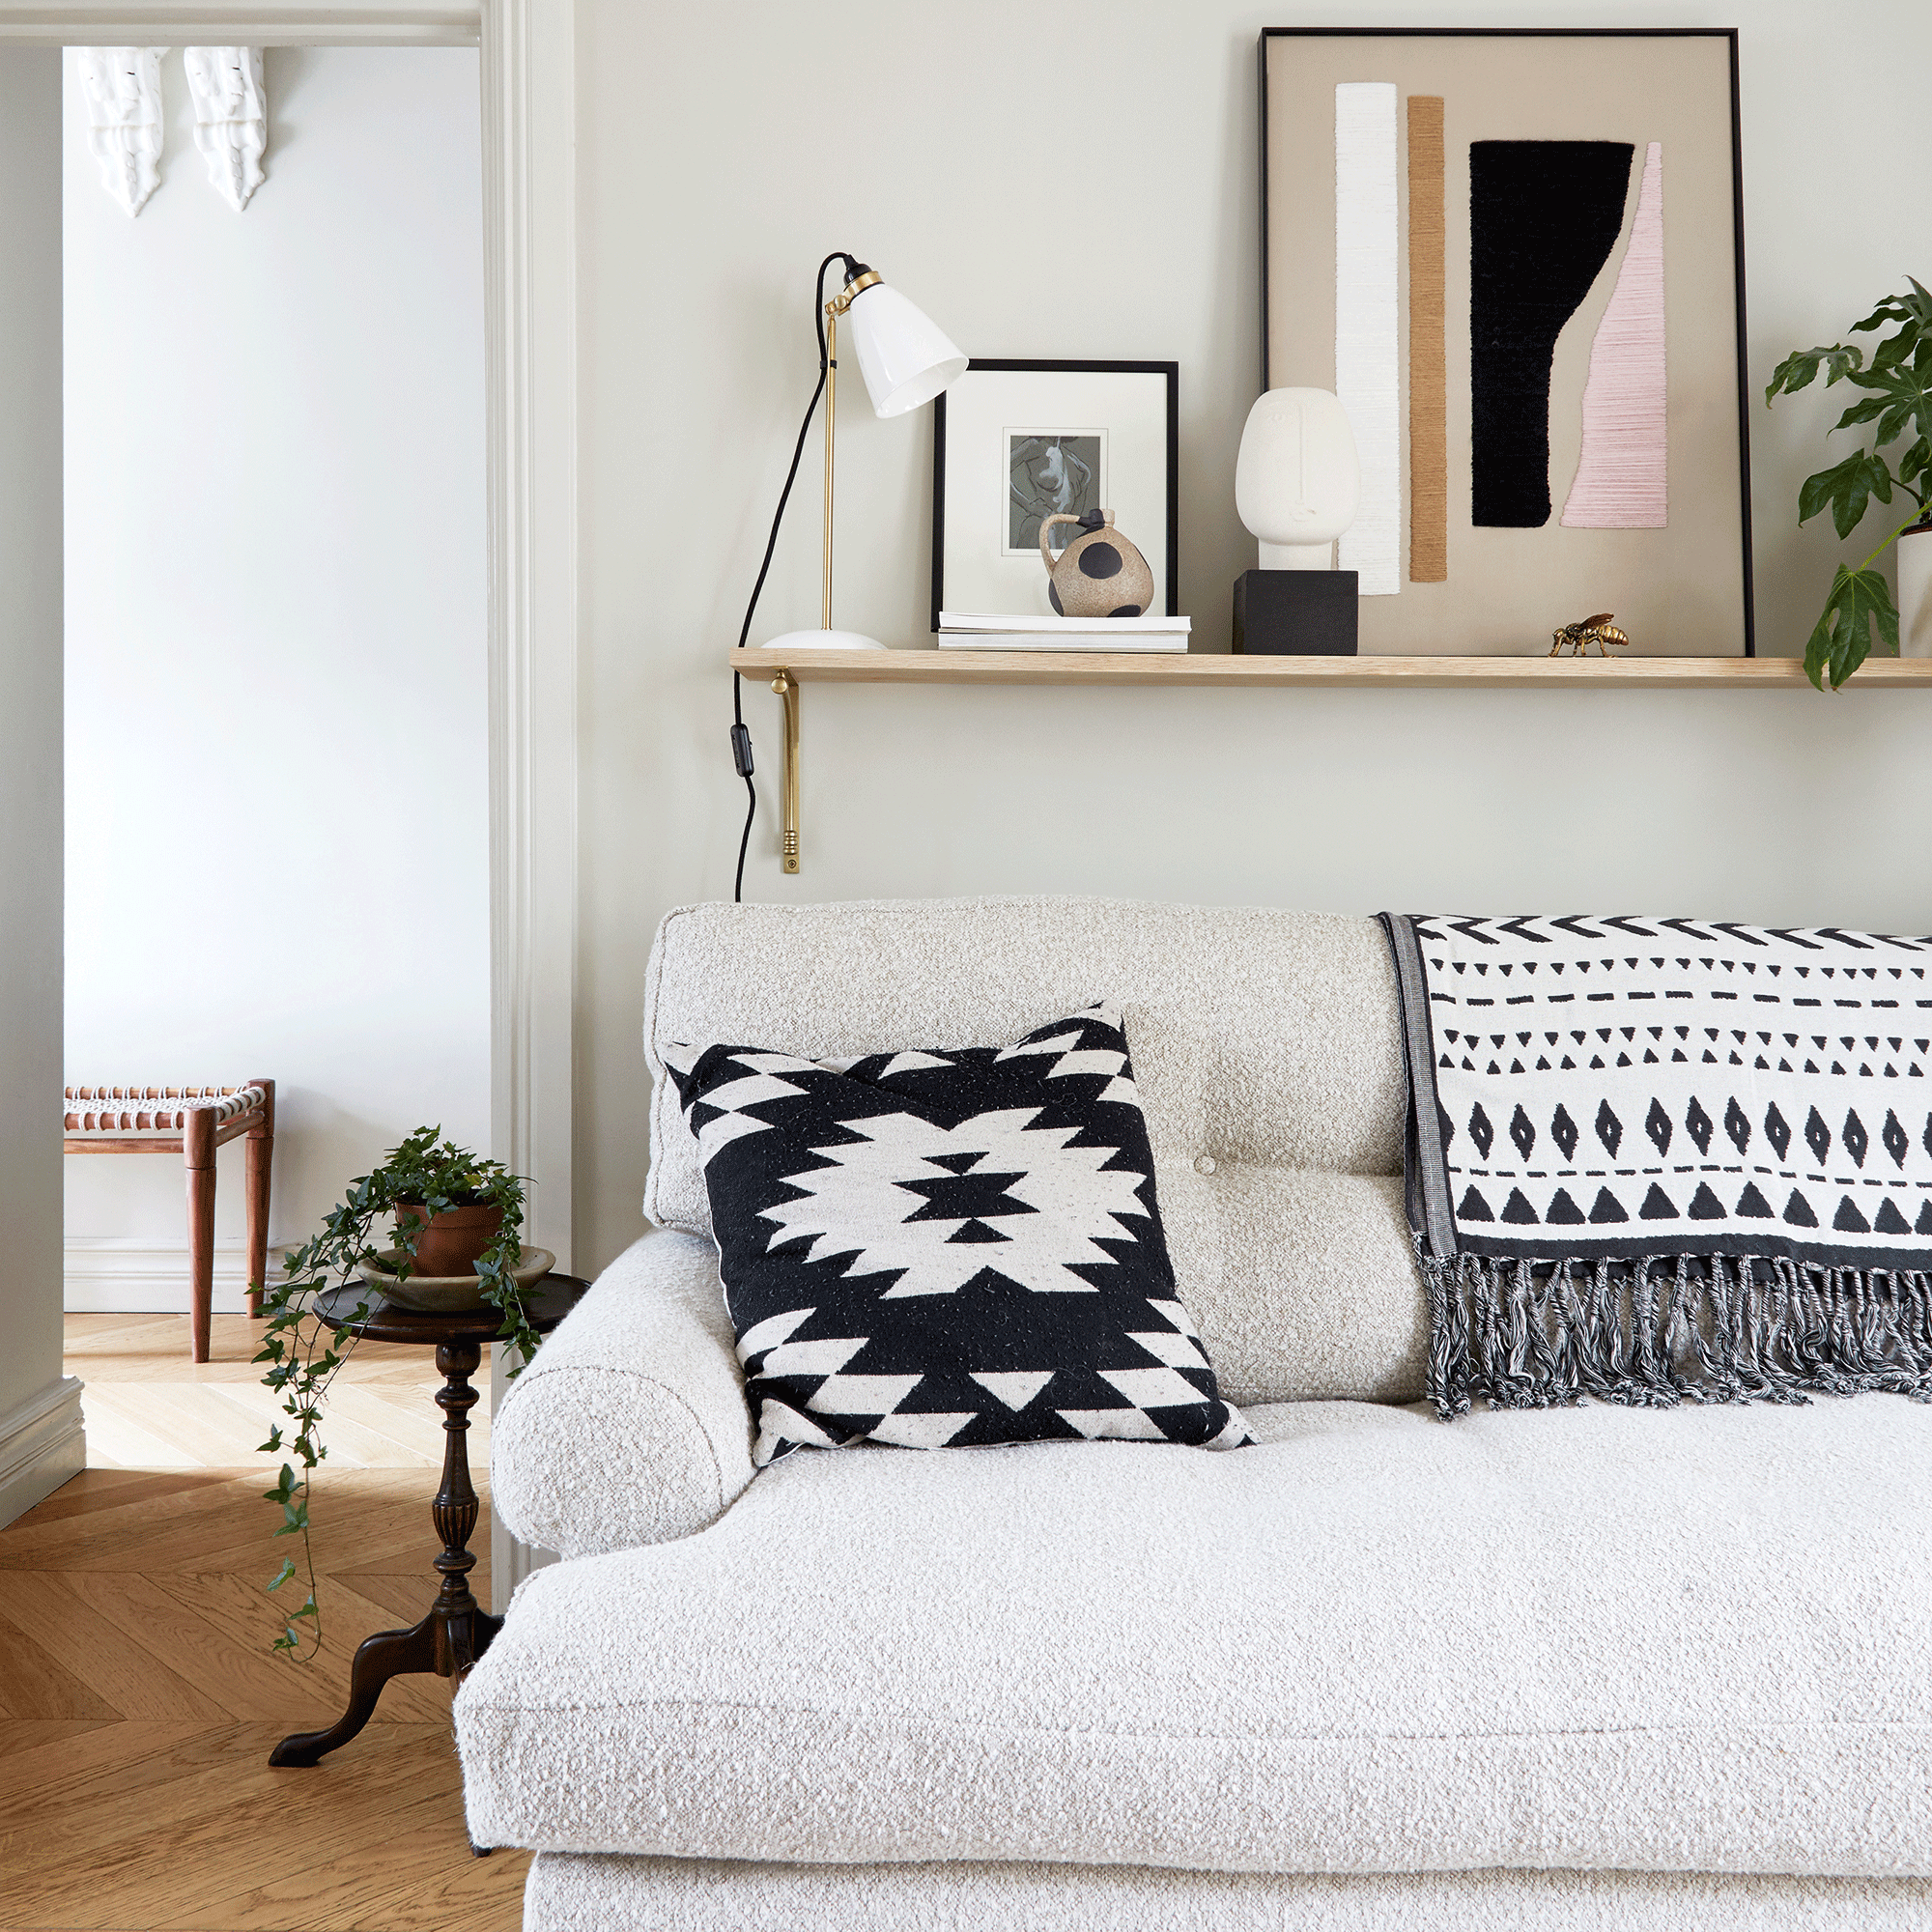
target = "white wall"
x: 276, y: 752
x: 723, y: 152
x: 41, y: 1440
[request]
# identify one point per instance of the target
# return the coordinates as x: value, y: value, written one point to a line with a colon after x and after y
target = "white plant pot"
x: 1915, y: 593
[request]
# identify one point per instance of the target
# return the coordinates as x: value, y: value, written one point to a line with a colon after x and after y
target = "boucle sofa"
x: 1576, y: 1668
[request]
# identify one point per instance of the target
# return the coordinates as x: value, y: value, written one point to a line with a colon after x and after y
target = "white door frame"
x: 529, y: 237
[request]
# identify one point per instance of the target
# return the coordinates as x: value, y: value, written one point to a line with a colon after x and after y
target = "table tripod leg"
x: 378, y: 1658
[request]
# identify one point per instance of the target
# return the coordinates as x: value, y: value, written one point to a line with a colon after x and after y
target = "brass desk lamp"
x: 906, y: 361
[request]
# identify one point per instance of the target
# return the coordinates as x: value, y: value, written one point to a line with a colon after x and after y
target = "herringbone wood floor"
x: 139, y: 1699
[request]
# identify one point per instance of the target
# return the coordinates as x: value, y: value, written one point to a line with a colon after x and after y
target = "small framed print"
x: 1015, y: 443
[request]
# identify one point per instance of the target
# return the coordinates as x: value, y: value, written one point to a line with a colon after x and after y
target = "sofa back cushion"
x: 1265, y: 1043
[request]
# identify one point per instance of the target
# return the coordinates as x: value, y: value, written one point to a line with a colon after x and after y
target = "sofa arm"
x: 630, y: 1426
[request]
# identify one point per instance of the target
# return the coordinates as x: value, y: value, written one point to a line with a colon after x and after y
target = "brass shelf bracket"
x: 786, y: 687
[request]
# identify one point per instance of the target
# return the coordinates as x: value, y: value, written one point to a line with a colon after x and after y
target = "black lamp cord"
x: 741, y: 735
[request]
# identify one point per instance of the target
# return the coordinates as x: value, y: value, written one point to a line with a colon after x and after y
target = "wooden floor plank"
x: 109, y: 1866
x: 61, y: 1539
x: 19, y: 1735
x: 145, y: 1589
x: 96, y: 1489
x: 34, y: 1683
x: 241, y: 1677
x: 99, y: 1650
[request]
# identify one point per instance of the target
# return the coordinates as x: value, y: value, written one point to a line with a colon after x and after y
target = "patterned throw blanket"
x: 1665, y: 1160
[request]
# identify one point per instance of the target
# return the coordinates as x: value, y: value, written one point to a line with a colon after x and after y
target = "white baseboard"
x: 42, y: 1442
x: 121, y: 1275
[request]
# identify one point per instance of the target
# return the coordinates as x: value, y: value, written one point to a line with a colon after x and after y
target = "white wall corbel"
x: 231, y: 118
x: 122, y: 86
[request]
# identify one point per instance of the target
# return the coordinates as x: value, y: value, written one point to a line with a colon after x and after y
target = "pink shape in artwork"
x: 1620, y: 477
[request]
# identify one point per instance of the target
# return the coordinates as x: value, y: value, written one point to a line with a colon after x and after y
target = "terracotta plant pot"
x: 451, y: 1241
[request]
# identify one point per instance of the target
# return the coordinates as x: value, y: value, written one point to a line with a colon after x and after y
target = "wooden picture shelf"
x: 787, y: 670
x: 1198, y: 669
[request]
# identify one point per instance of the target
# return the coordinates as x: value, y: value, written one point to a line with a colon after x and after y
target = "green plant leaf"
x: 274, y: 1442
x: 1848, y: 487
x: 283, y: 1575
x: 1841, y: 641
x: 1798, y: 369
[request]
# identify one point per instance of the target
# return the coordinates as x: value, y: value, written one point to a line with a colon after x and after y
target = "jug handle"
x: 1046, y: 554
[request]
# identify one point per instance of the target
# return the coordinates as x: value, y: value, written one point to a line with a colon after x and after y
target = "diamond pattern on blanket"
x: 947, y: 1249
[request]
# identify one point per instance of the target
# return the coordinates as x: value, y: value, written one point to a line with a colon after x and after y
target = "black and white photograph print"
x: 1051, y: 474
x: 1017, y: 441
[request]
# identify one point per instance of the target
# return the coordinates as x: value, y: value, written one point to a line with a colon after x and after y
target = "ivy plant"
x: 425, y: 1172
x: 1897, y: 400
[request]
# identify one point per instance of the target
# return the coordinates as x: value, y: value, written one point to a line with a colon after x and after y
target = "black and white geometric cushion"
x: 947, y: 1248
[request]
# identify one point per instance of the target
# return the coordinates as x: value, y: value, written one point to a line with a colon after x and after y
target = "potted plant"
x: 453, y: 1213
x: 1898, y: 397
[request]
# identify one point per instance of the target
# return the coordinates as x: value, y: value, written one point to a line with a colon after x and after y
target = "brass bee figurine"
x: 1576, y: 639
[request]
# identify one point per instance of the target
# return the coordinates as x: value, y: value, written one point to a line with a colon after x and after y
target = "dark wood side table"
x: 458, y: 1629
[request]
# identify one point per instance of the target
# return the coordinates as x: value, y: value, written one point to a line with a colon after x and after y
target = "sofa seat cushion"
x: 1686, y: 1640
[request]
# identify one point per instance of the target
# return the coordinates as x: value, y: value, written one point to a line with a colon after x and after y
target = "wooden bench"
x: 191, y: 1121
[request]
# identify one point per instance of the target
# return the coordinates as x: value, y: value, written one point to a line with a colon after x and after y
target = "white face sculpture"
x: 1298, y: 481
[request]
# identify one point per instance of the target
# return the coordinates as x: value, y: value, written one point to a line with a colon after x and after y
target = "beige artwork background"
x: 1677, y: 591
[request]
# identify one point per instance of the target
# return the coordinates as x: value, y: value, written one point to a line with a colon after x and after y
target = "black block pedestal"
x: 1296, y: 612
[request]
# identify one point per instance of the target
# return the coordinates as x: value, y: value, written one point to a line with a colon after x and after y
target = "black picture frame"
x: 1729, y: 34
x: 1063, y: 366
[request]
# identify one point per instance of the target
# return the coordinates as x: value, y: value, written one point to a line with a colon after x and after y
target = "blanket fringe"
x: 1669, y: 1329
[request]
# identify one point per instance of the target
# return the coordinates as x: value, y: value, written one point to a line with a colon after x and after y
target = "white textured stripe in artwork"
x: 1367, y: 338
x: 1621, y: 475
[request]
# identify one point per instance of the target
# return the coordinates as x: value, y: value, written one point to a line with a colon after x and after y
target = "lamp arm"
x: 741, y: 736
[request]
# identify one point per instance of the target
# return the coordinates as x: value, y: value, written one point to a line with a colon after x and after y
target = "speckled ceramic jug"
x: 1099, y: 573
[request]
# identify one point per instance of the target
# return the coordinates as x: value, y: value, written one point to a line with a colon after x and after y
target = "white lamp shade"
x: 904, y: 356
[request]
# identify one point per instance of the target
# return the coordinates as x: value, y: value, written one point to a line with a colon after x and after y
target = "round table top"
x: 546, y: 1301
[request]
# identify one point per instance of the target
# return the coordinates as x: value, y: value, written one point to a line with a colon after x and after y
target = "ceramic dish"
x: 453, y: 1294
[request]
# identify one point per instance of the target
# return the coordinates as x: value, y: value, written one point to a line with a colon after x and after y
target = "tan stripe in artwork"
x: 1428, y: 359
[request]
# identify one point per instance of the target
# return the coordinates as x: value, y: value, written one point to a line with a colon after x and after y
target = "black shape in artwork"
x: 1737, y: 1125
x: 1481, y: 1131
x: 1798, y: 1212
x: 1658, y: 1206
x: 1563, y: 1129
x: 1657, y: 1125
x: 1817, y: 1135
x: 1897, y: 1142
x: 1610, y: 1129
x: 1523, y: 1134
x: 1848, y: 1220
x: 1777, y: 1128
x: 1923, y: 1224
x: 1856, y: 1139
x: 1752, y: 1205
x: 1697, y: 1124
x: 1516, y: 1209
x: 1544, y: 217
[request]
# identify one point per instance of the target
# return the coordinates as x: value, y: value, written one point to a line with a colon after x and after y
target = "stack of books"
x: 984, y: 631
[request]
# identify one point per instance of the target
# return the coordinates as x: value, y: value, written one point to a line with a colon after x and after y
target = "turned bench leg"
x: 261, y: 1146
x: 198, y: 1151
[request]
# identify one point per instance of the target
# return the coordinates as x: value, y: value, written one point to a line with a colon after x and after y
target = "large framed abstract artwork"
x: 1517, y: 258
